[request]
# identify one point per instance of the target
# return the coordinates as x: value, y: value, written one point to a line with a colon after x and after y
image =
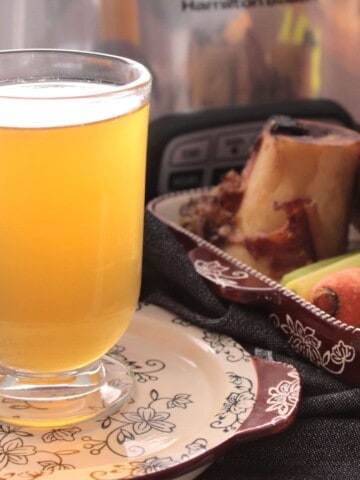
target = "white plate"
x: 198, y: 394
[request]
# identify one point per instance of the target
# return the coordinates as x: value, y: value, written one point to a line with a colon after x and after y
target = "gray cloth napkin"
x: 324, y: 441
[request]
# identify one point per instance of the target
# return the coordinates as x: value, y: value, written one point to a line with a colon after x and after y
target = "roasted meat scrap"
x: 290, y: 205
x: 213, y: 215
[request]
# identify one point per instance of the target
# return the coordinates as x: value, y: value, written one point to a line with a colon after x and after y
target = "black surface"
x: 324, y: 441
x: 168, y: 127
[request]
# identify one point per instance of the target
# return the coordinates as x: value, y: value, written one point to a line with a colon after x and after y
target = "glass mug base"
x: 46, y: 401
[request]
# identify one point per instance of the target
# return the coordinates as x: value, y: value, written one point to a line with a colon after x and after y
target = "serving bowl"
x: 324, y: 340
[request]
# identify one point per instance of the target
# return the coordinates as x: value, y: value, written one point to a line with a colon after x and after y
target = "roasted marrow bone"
x: 290, y: 205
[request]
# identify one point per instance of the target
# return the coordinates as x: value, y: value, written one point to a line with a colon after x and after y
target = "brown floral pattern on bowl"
x: 322, y: 339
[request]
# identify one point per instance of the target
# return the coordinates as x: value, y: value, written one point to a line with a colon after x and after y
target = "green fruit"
x: 302, y: 285
x: 312, y: 267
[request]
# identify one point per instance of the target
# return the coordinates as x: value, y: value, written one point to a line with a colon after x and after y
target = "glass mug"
x: 73, y: 136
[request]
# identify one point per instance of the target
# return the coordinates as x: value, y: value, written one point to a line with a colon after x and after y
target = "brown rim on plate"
x: 191, y: 404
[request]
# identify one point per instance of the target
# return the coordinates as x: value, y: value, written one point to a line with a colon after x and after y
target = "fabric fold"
x: 329, y: 415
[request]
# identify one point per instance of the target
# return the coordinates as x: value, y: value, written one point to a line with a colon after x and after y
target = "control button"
x: 233, y: 145
x: 190, y: 152
x: 185, y: 180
